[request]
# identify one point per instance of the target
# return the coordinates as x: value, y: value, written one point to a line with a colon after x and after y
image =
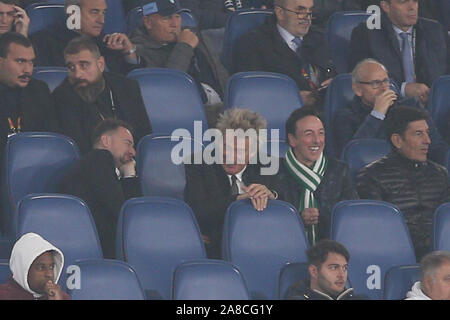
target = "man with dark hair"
x: 13, y: 17
x: 286, y: 43
x: 105, y: 178
x: 119, y: 52
x: 90, y: 94
x: 328, y: 265
x: 25, y: 103
x: 405, y: 177
x: 308, y: 180
x: 414, y: 50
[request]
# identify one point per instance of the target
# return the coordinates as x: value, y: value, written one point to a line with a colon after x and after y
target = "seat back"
x: 399, y: 280
x: 208, y: 280
x: 53, y: 76
x: 261, y: 243
x: 45, y: 15
x: 5, y: 272
x: 34, y: 162
x: 171, y: 98
x: 115, y: 19
x: 239, y: 23
x: 154, y: 236
x: 359, y: 153
x: 377, y: 238
x: 159, y: 174
x: 274, y: 96
x: 63, y: 220
x: 441, y: 228
x: 290, y: 274
x: 339, y: 31
x: 107, y: 280
x: 438, y: 104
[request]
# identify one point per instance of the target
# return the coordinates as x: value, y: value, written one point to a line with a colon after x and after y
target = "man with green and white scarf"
x: 309, y: 180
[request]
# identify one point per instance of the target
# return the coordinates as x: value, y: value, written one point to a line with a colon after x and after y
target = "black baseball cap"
x: 162, y: 7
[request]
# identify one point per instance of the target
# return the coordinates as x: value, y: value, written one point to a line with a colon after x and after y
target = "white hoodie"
x: 416, y: 293
x: 25, y: 251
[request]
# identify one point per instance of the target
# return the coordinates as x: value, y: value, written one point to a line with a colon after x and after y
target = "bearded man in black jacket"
x: 405, y: 177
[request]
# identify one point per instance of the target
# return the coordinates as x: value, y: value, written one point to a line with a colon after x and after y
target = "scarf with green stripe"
x: 310, y: 180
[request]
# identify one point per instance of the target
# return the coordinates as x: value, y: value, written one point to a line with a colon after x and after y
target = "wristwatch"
x: 132, y: 50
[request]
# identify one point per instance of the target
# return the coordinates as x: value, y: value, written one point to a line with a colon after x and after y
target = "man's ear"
x: 106, y: 141
x: 385, y: 6
x: 101, y: 63
x: 147, y: 22
x: 313, y: 271
x: 291, y: 140
x: 278, y: 13
x: 397, y: 140
x: 356, y: 89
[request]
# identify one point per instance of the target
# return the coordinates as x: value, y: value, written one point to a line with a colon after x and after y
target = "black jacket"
x: 263, y: 49
x: 37, y: 110
x: 93, y: 179
x: 302, y: 291
x: 208, y: 193
x: 432, y: 49
x: 336, y: 186
x: 416, y: 188
x: 49, y: 45
x: 78, y: 118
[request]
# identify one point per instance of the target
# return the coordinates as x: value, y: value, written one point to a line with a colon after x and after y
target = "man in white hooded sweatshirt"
x: 435, y: 275
x: 36, y: 266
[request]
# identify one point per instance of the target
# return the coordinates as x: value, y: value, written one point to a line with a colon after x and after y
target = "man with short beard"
x: 105, y: 177
x: 25, y: 103
x: 89, y: 95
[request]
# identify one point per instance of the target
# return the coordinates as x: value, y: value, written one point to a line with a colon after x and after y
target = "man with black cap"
x: 162, y: 43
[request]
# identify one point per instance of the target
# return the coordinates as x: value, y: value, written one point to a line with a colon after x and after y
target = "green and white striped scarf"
x: 310, y: 179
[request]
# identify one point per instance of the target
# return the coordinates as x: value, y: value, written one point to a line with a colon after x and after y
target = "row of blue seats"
x: 155, y: 235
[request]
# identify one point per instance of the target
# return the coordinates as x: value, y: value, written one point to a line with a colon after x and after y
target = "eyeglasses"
x: 300, y: 14
x: 375, y: 84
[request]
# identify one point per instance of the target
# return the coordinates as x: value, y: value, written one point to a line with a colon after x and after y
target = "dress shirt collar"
x: 287, y: 37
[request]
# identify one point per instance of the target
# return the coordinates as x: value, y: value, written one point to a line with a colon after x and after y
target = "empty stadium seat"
x: 34, y: 162
x: 208, y: 280
x: 154, y: 236
x: 261, y: 243
x: 171, y: 98
x: 159, y: 175
x: 444, y: 11
x: 441, y: 228
x: 290, y: 274
x: 377, y: 238
x: 5, y: 272
x: 44, y: 16
x: 239, y: 23
x: 339, y: 31
x: 399, y: 280
x: 274, y: 96
x: 53, y: 76
x: 65, y: 221
x: 359, y: 153
x: 438, y: 104
x: 107, y: 280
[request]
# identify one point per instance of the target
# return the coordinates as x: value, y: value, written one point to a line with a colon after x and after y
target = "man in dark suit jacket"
x: 413, y: 64
x: 89, y: 95
x: 106, y: 177
x: 286, y: 44
x: 211, y: 188
x: 25, y: 104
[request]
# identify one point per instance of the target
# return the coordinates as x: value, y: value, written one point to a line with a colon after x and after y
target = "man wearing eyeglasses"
x: 364, y: 117
x: 286, y: 43
x: 414, y: 50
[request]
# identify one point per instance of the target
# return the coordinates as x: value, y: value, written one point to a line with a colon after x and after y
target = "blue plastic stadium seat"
x: 154, y: 236
x: 359, y: 153
x: 5, y: 272
x: 339, y: 31
x: 208, y: 280
x: 107, y: 280
x: 399, y: 280
x: 261, y: 243
x: 53, y: 76
x: 159, y: 175
x: 441, y: 228
x: 438, y: 104
x: 290, y: 274
x: 34, y: 162
x: 63, y: 220
x: 377, y: 238
x: 171, y: 98
x: 274, y: 96
x: 44, y: 16
x: 239, y: 23
x: 115, y: 19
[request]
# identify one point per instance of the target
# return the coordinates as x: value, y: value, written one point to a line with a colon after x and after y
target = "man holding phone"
x: 13, y: 17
